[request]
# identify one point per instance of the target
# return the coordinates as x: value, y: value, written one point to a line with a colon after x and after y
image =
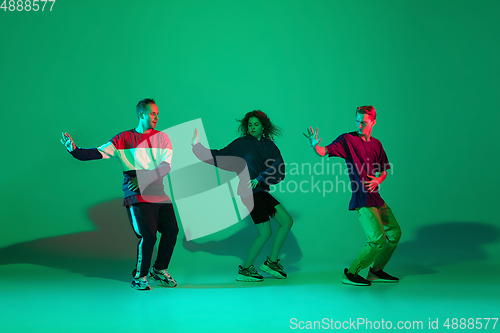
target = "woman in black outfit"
x: 266, y: 167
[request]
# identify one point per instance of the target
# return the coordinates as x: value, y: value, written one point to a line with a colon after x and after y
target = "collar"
x: 250, y: 137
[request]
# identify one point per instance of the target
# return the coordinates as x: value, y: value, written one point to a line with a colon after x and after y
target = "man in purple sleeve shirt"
x: 367, y: 164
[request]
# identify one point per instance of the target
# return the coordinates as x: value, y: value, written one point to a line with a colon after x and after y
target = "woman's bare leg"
x: 258, y: 243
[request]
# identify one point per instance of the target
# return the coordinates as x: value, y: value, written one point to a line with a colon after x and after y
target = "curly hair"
x: 270, y: 131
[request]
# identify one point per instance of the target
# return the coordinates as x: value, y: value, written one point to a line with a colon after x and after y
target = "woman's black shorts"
x: 264, y: 206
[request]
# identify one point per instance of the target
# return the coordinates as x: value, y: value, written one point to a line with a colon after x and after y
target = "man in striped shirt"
x: 145, y: 155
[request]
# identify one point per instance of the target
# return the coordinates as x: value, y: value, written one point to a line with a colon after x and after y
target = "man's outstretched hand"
x: 312, y: 138
x: 68, y: 142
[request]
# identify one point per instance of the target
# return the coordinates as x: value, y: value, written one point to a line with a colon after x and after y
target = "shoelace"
x: 277, y: 263
x: 252, y: 269
x: 163, y: 272
x: 142, y: 281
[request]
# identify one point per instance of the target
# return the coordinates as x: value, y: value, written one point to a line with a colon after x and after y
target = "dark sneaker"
x: 163, y: 277
x: 355, y: 280
x: 140, y: 284
x: 249, y: 275
x: 381, y: 276
x: 273, y: 268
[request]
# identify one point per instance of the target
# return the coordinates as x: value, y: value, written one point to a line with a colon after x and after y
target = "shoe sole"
x: 349, y: 282
x: 163, y: 282
x: 244, y: 278
x: 140, y: 289
x: 268, y: 270
x: 382, y: 281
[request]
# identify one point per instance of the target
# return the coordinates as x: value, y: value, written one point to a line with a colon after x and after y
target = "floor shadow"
x: 444, y: 244
x: 110, y: 250
x: 238, y: 244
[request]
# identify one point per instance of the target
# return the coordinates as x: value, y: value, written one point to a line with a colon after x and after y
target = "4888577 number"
x: 26, y: 5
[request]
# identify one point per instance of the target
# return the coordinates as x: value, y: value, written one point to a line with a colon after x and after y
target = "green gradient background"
x: 429, y: 67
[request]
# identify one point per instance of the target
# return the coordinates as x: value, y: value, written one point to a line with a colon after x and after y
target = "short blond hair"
x: 367, y: 109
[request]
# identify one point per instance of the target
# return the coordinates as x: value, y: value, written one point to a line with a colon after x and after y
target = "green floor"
x: 42, y: 299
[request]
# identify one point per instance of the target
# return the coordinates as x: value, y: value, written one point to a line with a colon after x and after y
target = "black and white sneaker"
x: 274, y: 268
x: 381, y: 276
x: 354, y: 279
x: 163, y: 277
x: 140, y: 284
x: 249, y: 275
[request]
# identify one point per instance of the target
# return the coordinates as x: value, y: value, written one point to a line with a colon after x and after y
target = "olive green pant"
x: 383, y: 234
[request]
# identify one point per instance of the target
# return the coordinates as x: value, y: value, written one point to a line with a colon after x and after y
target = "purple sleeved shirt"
x: 362, y: 159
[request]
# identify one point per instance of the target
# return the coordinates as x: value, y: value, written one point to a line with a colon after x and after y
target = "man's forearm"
x: 321, y: 151
x: 86, y: 154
